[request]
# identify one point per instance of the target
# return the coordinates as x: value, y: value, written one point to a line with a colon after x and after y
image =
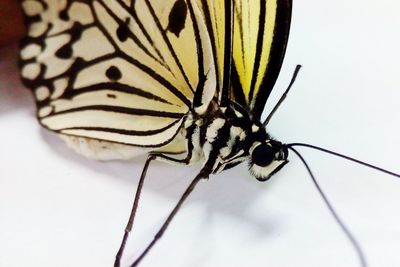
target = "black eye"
x: 263, y: 155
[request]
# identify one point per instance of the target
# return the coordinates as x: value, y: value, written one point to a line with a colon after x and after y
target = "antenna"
x: 335, y: 215
x: 344, y: 157
x: 339, y: 221
x: 296, y: 71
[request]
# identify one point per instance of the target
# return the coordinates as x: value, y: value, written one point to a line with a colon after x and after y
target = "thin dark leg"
x: 160, y: 232
x: 128, y: 227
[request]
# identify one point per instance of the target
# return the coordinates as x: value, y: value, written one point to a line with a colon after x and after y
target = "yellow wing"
x: 117, y: 70
x: 261, y: 29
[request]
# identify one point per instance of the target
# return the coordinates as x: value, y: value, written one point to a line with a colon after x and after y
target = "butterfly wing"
x: 261, y: 30
x: 117, y: 70
x: 217, y: 16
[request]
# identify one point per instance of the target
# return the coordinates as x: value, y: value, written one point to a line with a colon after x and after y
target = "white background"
x: 59, y: 209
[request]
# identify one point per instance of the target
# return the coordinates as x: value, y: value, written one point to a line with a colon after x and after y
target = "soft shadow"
x: 231, y: 193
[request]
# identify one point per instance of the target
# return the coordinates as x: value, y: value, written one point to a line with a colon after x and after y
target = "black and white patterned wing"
x: 117, y: 70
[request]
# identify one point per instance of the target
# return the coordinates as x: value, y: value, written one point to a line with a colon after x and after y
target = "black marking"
x: 212, y: 114
x: 276, y: 55
x: 260, y: 41
x: 190, y: 131
x: 75, y: 31
x: 32, y: 19
x: 115, y: 141
x: 177, y: 17
x: 124, y: 131
x: 213, y: 41
x: 134, y: 15
x: 34, y: 84
x: 71, y: 74
x: 80, y: 64
x: 113, y: 96
x: 228, y: 47
x: 123, y: 31
x: 141, y: 66
x: 113, y: 73
x: 237, y: 88
x: 124, y: 110
x: 239, y: 17
x: 203, y: 134
x: 63, y: 15
x: 223, y: 136
x: 169, y: 45
x: 74, y: 34
x: 160, y: 60
x: 198, y: 96
x: 65, y: 52
x: 52, y: 109
x: 117, y: 87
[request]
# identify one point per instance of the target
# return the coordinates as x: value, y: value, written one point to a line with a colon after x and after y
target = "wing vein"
x: 169, y: 45
x: 119, y: 109
x: 134, y: 37
x: 143, y: 67
x: 124, y: 131
x: 259, y: 47
x: 118, y: 87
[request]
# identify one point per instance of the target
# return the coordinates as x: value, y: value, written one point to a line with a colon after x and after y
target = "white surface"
x: 59, y: 209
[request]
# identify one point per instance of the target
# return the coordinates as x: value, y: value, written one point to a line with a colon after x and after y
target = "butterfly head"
x: 267, y: 158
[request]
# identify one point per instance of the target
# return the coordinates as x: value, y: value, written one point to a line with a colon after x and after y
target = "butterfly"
x: 121, y: 78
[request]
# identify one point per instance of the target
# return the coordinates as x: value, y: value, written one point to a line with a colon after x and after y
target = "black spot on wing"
x: 177, y: 17
x: 123, y: 31
x: 113, y: 73
x: 64, y: 52
x: 111, y: 96
x: 63, y: 15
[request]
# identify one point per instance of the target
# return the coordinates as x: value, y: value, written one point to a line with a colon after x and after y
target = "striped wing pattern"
x: 260, y: 35
x: 216, y: 15
x: 117, y: 70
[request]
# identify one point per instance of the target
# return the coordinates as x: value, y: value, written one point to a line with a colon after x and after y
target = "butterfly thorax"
x: 225, y: 137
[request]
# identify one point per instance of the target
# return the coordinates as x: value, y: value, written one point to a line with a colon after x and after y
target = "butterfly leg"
x: 204, y: 173
x: 128, y: 228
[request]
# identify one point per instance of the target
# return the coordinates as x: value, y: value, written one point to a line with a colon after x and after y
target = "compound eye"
x: 263, y: 155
